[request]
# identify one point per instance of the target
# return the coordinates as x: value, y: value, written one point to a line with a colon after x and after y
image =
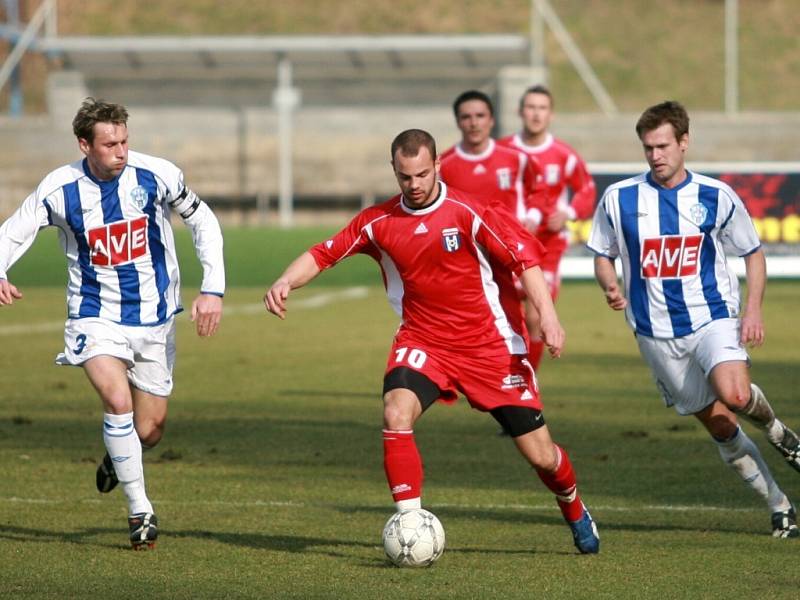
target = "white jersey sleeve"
x: 603, y: 236
x: 18, y: 233
x: 196, y: 214
x: 737, y: 234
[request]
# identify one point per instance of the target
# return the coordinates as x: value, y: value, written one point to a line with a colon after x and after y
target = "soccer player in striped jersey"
x: 447, y: 260
x: 112, y: 211
x: 671, y: 227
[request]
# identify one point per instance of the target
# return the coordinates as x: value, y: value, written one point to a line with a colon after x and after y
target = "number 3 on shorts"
x: 81, y: 341
x: 416, y: 358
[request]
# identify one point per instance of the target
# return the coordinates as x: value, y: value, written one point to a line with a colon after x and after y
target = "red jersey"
x: 499, y: 174
x: 446, y: 268
x: 563, y: 170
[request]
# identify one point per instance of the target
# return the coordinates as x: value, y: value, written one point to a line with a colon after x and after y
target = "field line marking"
x: 317, y: 301
x: 293, y: 504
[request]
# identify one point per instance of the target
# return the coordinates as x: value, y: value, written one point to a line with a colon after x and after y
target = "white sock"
x: 408, y: 504
x: 125, y: 450
x: 774, y: 431
x: 744, y: 457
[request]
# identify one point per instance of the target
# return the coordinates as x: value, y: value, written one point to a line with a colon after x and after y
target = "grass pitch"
x: 269, y: 480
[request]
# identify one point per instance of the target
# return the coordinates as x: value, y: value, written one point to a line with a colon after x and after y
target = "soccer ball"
x: 413, y: 538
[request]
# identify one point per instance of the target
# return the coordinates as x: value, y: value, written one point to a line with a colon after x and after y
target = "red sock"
x: 535, y: 351
x: 403, y: 465
x: 564, y: 485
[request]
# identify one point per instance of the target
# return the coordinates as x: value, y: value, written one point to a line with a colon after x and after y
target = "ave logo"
x: 118, y: 243
x: 671, y: 256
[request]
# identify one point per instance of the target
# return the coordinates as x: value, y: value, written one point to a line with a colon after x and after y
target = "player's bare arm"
x: 206, y: 314
x: 302, y: 270
x: 752, y: 326
x: 606, y: 275
x: 550, y: 328
x: 8, y: 293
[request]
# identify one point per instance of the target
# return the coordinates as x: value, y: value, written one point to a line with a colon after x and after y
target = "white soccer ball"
x: 413, y: 538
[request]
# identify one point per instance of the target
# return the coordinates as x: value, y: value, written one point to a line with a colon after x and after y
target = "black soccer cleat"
x: 144, y: 531
x: 784, y: 524
x: 106, y: 477
x: 789, y: 447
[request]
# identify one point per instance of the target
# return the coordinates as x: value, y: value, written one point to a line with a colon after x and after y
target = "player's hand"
x: 557, y: 220
x: 206, y: 314
x: 614, y: 297
x: 275, y: 298
x: 553, y: 336
x: 8, y: 292
x: 752, y: 329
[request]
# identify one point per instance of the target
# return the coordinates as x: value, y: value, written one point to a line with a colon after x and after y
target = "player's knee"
x: 151, y: 430
x: 117, y: 402
x: 736, y: 397
x: 398, y: 413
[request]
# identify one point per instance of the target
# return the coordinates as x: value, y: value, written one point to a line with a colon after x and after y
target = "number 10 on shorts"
x: 415, y: 358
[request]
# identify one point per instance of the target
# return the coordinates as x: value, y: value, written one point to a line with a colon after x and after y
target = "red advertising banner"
x: 772, y: 198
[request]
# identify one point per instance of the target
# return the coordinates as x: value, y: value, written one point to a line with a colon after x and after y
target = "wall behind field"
x: 341, y: 152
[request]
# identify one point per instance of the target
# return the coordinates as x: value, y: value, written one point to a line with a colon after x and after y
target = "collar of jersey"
x: 682, y: 184
x: 475, y: 157
x: 88, y: 172
x: 430, y: 208
x: 548, y: 141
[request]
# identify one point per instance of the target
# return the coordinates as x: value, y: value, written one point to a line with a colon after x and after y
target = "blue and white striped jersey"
x: 672, y: 243
x: 117, y: 238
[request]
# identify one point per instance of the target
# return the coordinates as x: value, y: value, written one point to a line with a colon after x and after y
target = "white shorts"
x: 680, y: 366
x: 149, y: 352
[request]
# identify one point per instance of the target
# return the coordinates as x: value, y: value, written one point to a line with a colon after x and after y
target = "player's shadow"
x: 85, y: 537
x: 517, y: 517
x: 328, y: 547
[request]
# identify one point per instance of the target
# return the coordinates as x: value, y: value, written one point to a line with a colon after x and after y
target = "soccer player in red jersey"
x: 494, y: 173
x: 427, y: 240
x: 564, y: 171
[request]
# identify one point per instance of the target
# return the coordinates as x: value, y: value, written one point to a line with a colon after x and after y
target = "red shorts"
x: 487, y: 381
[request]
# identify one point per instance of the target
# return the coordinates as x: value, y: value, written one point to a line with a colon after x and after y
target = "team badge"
x: 139, y: 197
x: 504, y: 178
x: 552, y: 173
x: 698, y: 212
x: 451, y: 239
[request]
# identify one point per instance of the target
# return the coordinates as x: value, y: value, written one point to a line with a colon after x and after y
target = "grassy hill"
x: 642, y: 51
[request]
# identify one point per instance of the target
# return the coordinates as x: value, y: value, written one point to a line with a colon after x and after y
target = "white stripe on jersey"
x: 672, y: 244
x: 394, y: 283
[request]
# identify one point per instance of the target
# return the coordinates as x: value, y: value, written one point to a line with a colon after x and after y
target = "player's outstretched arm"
x: 752, y: 326
x: 549, y: 326
x: 302, y: 270
x: 8, y: 292
x: 606, y: 275
x: 207, y: 313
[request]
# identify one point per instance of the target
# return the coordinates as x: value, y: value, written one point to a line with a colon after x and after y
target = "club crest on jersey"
x: 118, y: 243
x: 552, y: 173
x: 451, y: 239
x: 698, y: 212
x: 671, y: 256
x: 504, y: 178
x: 139, y: 197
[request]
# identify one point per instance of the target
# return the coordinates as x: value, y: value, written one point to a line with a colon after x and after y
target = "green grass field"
x: 269, y: 481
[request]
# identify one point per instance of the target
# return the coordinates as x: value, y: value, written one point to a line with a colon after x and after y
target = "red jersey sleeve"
x: 583, y: 189
x: 508, y: 242
x: 353, y: 239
